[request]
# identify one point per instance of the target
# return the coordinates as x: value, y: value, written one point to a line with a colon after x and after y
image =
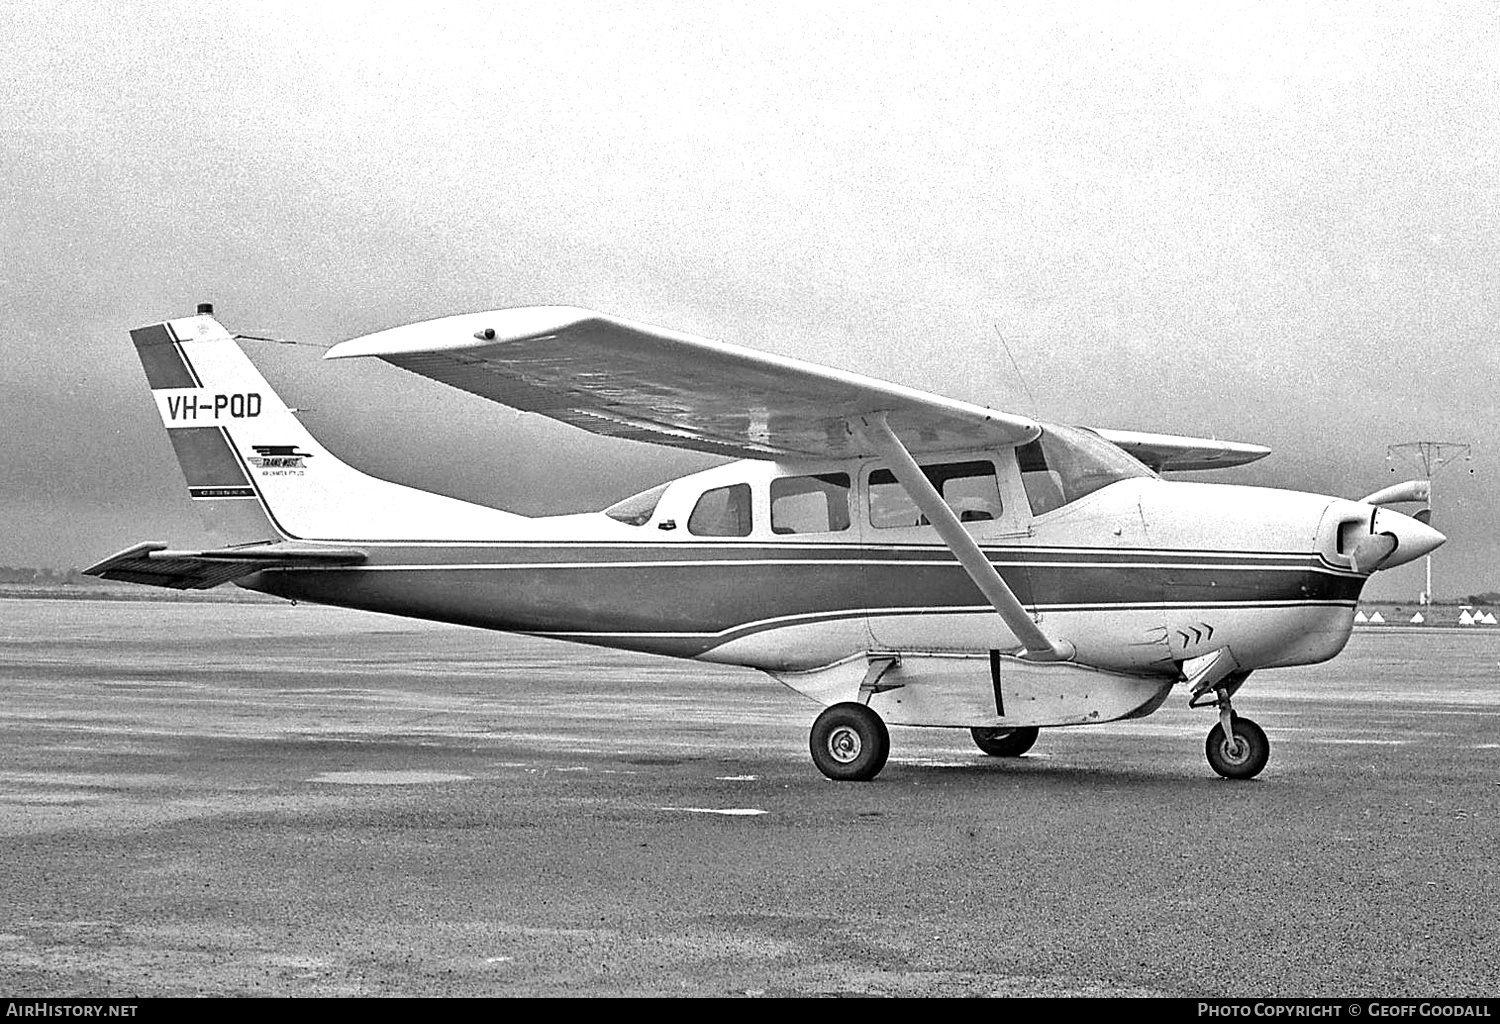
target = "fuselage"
x: 793, y: 565
x: 1139, y: 575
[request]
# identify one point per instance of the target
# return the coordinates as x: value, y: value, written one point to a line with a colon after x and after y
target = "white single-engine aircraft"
x: 896, y: 556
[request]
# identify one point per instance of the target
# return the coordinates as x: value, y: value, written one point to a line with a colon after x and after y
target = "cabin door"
x: 919, y: 597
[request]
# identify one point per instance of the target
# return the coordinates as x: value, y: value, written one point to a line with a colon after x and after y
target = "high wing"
x: 632, y: 380
x: 1169, y: 453
x: 156, y: 566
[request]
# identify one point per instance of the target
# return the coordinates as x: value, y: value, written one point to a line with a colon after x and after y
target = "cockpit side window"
x: 1064, y: 464
x: 810, y: 504
x: 722, y: 512
x: 970, y: 489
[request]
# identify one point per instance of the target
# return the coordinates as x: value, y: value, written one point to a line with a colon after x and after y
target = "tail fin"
x: 254, y: 469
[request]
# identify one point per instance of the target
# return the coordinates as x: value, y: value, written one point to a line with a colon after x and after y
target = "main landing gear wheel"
x: 1005, y: 742
x: 849, y: 742
x: 1245, y: 756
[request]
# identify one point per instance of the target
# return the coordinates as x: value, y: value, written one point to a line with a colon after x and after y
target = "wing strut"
x: 1038, y: 646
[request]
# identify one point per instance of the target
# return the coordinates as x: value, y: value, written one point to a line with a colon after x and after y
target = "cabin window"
x: 722, y: 512
x: 970, y: 489
x: 810, y: 504
x: 1064, y: 464
x: 637, y: 509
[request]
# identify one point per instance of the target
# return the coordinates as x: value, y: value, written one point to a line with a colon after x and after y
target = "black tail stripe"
x: 161, y: 358
x: 206, y: 458
x: 197, y: 380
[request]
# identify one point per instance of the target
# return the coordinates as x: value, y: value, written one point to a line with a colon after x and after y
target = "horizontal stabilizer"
x: 156, y: 565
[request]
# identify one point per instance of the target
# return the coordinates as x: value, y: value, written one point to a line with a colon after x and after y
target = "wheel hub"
x: 1235, y: 749
x: 844, y: 744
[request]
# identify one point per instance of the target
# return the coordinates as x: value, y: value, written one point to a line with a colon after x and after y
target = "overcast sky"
x: 1267, y: 222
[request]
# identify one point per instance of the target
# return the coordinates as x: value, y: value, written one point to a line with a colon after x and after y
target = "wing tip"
x: 465, y: 330
x: 1178, y: 453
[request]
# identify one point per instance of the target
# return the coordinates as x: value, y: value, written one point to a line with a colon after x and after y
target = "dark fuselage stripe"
x: 692, y: 608
x: 877, y: 583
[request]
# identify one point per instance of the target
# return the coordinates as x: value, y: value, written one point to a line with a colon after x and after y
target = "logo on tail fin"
x: 278, y: 456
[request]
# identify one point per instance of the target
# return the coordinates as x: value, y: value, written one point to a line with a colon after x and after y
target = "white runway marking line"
x: 736, y: 778
x: 736, y: 812
x: 1356, y: 741
x: 532, y: 769
x: 929, y: 762
x: 393, y: 778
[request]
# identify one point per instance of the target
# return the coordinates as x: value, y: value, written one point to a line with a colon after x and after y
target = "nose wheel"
x: 1239, y: 752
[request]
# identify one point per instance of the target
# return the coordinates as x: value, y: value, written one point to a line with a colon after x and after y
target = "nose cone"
x: 1413, y: 539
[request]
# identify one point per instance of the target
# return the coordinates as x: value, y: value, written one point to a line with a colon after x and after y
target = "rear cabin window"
x: 722, y: 512
x: 810, y: 504
x: 970, y: 489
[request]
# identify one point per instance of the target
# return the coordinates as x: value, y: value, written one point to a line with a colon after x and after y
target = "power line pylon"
x: 1429, y: 456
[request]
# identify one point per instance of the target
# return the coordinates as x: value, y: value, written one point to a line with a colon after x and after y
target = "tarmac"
x: 265, y: 800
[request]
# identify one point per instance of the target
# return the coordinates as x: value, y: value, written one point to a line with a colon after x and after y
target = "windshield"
x: 1066, y: 463
x: 636, y: 510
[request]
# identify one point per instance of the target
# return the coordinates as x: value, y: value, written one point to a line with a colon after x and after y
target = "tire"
x: 1005, y: 742
x: 1247, y: 758
x: 849, y: 743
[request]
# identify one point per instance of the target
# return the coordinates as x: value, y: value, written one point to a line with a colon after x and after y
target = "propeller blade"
x: 1411, y: 490
x: 1423, y: 516
x: 1371, y: 552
